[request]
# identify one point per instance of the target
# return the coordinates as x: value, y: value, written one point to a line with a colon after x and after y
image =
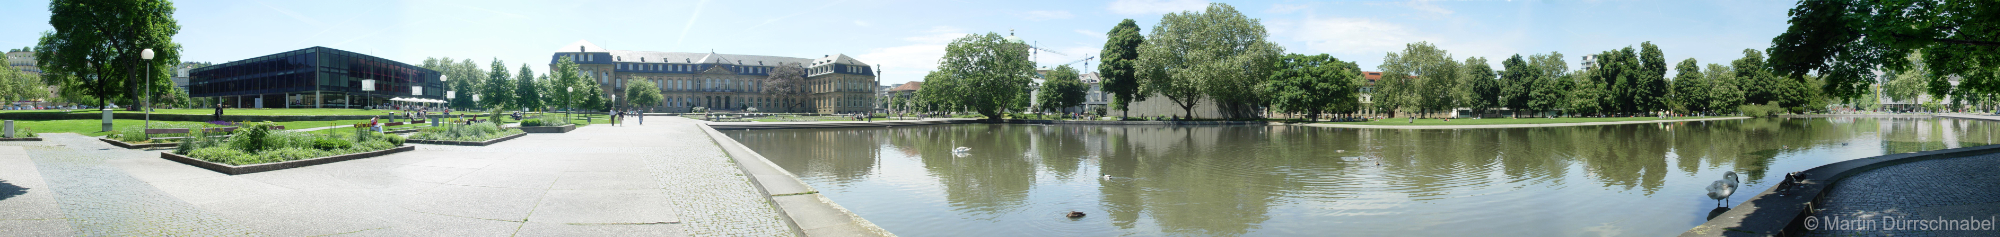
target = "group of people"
x: 621, y: 114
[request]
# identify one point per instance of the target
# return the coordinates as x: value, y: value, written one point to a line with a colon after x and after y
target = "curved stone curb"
x: 466, y: 143
x: 1856, y: 116
x: 808, y: 212
x: 1539, y: 125
x: 1777, y: 212
x: 134, y: 146
x: 549, y: 129
x: 245, y: 169
x: 839, y: 124
x: 20, y: 139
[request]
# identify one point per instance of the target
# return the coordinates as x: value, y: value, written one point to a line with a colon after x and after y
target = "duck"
x: 1721, y: 189
x: 1074, y: 214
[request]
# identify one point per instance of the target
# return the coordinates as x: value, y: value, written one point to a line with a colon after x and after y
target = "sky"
x: 906, y: 37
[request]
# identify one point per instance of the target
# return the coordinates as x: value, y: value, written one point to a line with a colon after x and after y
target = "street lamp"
x: 568, y: 92
x: 147, y: 55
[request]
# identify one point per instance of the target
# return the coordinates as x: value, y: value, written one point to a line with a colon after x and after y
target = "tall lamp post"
x: 568, y: 92
x: 147, y: 55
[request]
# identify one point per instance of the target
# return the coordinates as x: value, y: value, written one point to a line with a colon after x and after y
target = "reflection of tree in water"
x: 1060, y: 148
x: 1194, y: 180
x: 995, y: 176
x: 845, y: 155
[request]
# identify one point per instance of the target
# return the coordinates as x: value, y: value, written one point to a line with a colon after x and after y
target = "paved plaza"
x: 1950, y: 188
x: 666, y: 178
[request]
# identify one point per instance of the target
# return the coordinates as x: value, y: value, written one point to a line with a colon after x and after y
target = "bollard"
x: 8, y: 131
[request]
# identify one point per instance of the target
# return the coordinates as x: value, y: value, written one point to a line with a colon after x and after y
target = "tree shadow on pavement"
x: 9, y: 190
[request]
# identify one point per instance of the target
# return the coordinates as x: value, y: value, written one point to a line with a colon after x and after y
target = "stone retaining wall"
x: 1782, y: 212
x: 245, y: 169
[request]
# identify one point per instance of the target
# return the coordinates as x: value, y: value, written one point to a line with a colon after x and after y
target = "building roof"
x: 1089, y: 78
x: 915, y: 85
x: 583, y: 45
x: 837, y: 58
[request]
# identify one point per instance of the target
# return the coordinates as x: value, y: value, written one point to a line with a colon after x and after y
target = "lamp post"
x: 568, y: 92
x: 147, y: 56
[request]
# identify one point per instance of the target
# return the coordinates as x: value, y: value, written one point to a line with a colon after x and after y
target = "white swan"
x: 961, y: 150
x: 1721, y: 189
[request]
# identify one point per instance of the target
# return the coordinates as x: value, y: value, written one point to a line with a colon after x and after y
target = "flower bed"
x: 479, y: 134
x: 260, y: 143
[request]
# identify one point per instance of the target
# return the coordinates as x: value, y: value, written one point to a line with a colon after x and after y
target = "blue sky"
x: 907, y: 36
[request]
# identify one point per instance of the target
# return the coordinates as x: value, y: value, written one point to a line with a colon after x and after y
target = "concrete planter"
x: 245, y: 169
x: 466, y: 143
x: 133, y: 145
x: 549, y: 129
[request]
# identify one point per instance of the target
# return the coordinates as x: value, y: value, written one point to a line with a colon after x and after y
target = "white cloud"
x: 1425, y: 5
x: 1352, y: 36
x: 1047, y: 15
x: 1092, y: 34
x: 1146, y: 7
x: 910, y: 62
x: 1288, y: 8
x: 862, y: 23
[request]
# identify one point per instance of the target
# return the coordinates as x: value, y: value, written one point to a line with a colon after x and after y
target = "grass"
x: 1498, y: 121
x: 226, y: 111
x: 89, y: 127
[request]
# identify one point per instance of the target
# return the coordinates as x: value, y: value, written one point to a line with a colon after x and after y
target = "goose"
x: 1721, y: 189
x: 1075, y: 214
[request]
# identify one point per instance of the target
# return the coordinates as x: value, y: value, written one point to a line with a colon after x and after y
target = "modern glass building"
x: 317, y: 77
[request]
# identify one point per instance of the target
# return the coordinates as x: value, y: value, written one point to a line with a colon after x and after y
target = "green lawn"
x: 228, y: 111
x: 89, y: 127
x: 1494, y: 121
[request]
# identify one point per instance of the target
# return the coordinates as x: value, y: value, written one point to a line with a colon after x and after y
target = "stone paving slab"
x: 1951, y: 188
x: 659, y: 179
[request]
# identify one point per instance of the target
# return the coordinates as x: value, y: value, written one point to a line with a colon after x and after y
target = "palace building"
x: 726, y: 82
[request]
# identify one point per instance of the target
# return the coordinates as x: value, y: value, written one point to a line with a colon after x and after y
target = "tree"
x: 1587, y: 96
x: 786, y: 83
x: 1436, y: 75
x: 642, y: 92
x: 1062, y: 89
x: 1550, y: 80
x: 1846, y: 41
x: 526, y: 94
x: 567, y: 77
x: 94, y: 49
x: 1517, y: 84
x: 982, y: 73
x: 1690, y: 94
x: 1725, y: 91
x: 1650, y: 86
x: 1120, y: 55
x: 497, y: 90
x: 1312, y: 84
x: 591, y: 96
x: 1759, y: 86
x: 1480, y: 89
x: 1218, y: 53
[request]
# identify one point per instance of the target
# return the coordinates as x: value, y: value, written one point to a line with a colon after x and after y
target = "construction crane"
x: 1085, y: 61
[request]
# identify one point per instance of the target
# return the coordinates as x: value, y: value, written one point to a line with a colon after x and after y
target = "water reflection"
x: 1287, y: 180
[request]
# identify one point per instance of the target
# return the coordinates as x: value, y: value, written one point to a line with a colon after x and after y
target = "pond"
x: 1019, y: 180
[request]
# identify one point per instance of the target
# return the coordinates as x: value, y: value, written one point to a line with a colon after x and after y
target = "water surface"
x: 1620, y: 180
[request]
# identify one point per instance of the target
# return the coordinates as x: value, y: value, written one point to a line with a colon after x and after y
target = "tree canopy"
x: 94, y: 50
x: 1061, y: 89
x: 1119, y: 57
x: 641, y: 92
x: 982, y: 73
x: 786, y: 83
x: 1218, y: 53
x: 1313, y: 84
x: 496, y: 91
x: 1846, y: 41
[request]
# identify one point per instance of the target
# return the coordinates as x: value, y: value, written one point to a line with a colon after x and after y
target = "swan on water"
x: 1721, y: 189
x: 962, y: 149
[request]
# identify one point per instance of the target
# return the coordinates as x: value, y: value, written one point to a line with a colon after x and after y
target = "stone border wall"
x: 808, y: 212
x: 137, y: 146
x: 549, y: 129
x: 466, y: 143
x: 20, y: 139
x: 1782, y: 212
x: 245, y: 169
x: 186, y: 117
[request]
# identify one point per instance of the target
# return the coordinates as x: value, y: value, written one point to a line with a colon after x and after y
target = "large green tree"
x: 526, y: 94
x: 641, y: 92
x: 1480, y: 89
x: 497, y: 91
x: 1218, y: 53
x: 1312, y: 85
x: 1847, y: 41
x: 1063, y: 88
x: 1650, y: 81
x: 1725, y: 91
x: 1517, y: 84
x: 1117, y: 70
x: 94, y: 50
x: 567, y: 83
x: 1691, y: 91
x: 983, y: 74
x: 1436, y: 75
x: 1550, y: 82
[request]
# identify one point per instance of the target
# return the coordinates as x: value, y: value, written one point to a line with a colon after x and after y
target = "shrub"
x: 24, y: 132
x: 460, y: 132
x: 532, y: 123
x: 395, y: 141
x: 329, y: 144
x: 1753, y: 110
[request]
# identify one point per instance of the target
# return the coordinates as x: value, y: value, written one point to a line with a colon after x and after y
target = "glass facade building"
x: 316, y: 77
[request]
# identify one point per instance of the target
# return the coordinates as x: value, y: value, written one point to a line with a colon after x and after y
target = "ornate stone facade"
x: 726, y: 82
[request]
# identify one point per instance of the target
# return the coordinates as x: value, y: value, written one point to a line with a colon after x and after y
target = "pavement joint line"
x: 351, y: 232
